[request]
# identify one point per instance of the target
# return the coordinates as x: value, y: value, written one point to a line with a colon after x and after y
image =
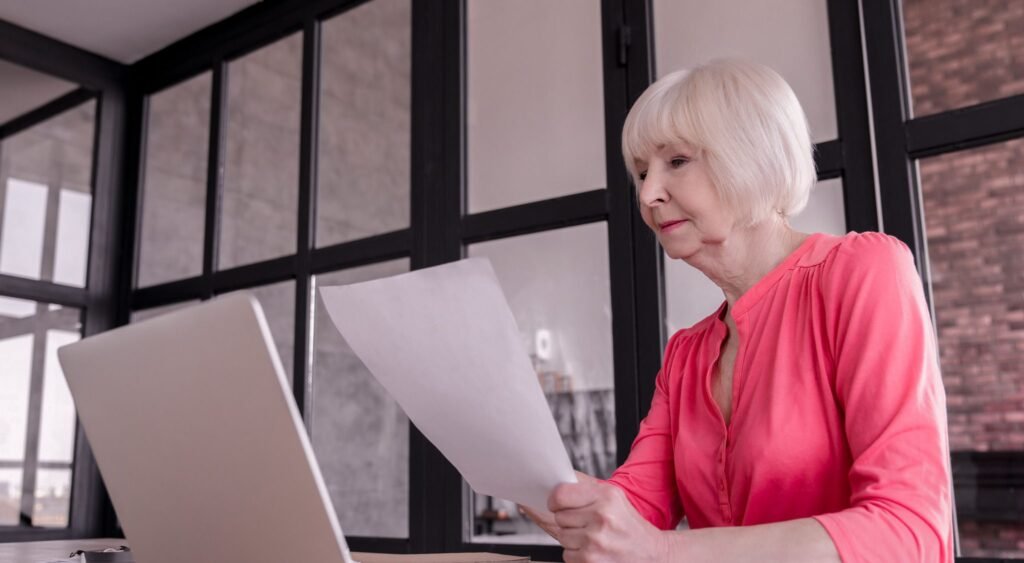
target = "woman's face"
x: 679, y: 202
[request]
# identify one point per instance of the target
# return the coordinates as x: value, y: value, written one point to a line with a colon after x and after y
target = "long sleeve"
x: 889, y: 390
x: 648, y: 475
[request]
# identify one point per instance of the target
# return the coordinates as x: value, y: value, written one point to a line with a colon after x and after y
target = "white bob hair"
x: 747, y: 126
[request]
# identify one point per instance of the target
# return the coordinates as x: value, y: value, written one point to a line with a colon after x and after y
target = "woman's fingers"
x: 545, y: 521
x: 572, y: 495
x: 573, y: 518
x: 574, y: 539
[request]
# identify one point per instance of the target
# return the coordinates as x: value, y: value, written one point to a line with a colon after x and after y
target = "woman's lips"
x: 670, y: 225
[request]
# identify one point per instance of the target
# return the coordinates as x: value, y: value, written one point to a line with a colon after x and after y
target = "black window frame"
x: 876, y: 138
x: 901, y: 141
x: 103, y: 81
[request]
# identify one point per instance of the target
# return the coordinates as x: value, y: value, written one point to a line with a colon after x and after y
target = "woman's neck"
x: 739, y: 262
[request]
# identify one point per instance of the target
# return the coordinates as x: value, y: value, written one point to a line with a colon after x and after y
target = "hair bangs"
x: 655, y: 121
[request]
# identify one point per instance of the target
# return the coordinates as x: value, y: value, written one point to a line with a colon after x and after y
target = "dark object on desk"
x: 122, y: 555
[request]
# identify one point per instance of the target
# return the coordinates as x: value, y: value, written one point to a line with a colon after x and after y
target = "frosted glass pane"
x: 278, y: 303
x: 535, y: 122
x: 790, y: 37
x: 825, y: 212
x: 557, y: 286
x: 259, y: 206
x: 360, y: 434
x: 365, y: 117
x: 174, y: 192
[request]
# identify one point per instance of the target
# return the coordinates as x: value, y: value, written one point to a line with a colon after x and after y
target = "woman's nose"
x: 652, y: 190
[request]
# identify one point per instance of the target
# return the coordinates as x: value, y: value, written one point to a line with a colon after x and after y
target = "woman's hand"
x: 596, y: 522
x: 546, y: 521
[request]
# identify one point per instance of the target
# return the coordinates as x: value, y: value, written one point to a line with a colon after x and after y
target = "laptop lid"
x: 199, y: 441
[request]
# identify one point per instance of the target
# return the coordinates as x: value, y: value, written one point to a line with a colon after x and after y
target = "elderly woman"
x: 804, y: 420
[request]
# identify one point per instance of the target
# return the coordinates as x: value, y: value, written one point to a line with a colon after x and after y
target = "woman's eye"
x: 642, y: 176
x: 677, y: 162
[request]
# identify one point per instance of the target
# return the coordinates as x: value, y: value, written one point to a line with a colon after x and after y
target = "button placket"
x: 723, y: 484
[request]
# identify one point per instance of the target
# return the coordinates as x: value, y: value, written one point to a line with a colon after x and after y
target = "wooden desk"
x: 33, y: 552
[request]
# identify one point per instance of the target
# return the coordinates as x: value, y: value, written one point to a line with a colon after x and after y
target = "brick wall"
x: 974, y: 214
x: 964, y: 52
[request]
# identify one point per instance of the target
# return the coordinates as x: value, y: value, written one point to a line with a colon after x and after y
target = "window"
x: 46, y: 198
x: 557, y: 286
x: 504, y: 157
x: 365, y: 112
x: 37, y: 415
x: 535, y: 115
x: 974, y: 205
x: 174, y: 188
x: 45, y: 221
x: 360, y: 434
x: 790, y: 37
x: 962, y: 52
x: 259, y: 203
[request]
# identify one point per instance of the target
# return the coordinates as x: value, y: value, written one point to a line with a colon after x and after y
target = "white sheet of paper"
x: 443, y: 342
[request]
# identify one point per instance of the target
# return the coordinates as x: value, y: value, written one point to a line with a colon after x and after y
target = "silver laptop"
x: 199, y: 441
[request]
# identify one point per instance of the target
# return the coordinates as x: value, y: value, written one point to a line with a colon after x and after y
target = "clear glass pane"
x: 365, y: 122
x: 16, y: 308
x: 690, y: 296
x: 174, y: 192
x: 259, y: 206
x: 278, y: 304
x: 21, y: 243
x: 963, y: 52
x: 31, y: 381
x: 53, y: 498
x: 557, y: 286
x: 15, y: 379
x: 57, y: 420
x: 535, y: 122
x: 46, y: 198
x: 360, y: 434
x: 72, y: 252
x: 790, y: 37
x: 974, y: 218
x: 10, y: 495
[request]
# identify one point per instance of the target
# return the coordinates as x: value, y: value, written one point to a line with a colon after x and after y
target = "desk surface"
x: 34, y: 552
x: 31, y: 552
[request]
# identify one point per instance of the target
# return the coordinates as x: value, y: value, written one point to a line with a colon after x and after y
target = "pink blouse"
x: 838, y: 410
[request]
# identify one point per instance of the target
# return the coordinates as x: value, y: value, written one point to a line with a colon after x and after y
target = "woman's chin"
x: 680, y: 252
